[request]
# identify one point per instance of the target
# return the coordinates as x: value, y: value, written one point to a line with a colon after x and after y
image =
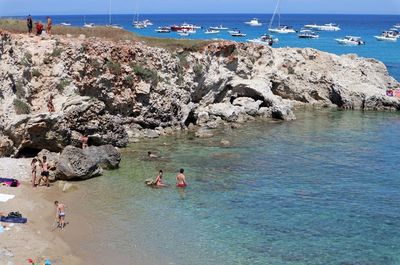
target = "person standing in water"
x: 29, y: 24
x: 33, y: 171
x: 181, y: 179
x: 60, y: 214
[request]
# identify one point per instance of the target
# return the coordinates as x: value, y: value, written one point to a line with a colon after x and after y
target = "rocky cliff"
x: 117, y: 91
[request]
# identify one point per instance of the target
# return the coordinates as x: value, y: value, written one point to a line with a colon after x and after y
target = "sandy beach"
x: 35, y: 239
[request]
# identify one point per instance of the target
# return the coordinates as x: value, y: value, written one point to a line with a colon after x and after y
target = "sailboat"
x: 87, y: 25
x: 140, y: 24
x: 282, y: 29
x: 115, y: 26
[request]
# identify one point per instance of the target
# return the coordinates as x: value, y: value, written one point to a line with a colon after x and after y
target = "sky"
x: 52, y: 7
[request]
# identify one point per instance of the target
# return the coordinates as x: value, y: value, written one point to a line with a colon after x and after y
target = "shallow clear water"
x: 365, y: 26
x: 323, y: 189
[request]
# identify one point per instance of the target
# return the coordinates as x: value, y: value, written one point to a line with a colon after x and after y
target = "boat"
x: 184, y: 26
x: 140, y: 24
x: 88, y: 25
x: 387, y: 36
x: 397, y: 26
x: 308, y: 34
x: 237, y: 33
x: 190, y: 31
x: 110, y: 25
x: 350, y: 40
x: 163, y: 30
x: 211, y: 31
x: 281, y: 29
x: 254, y: 22
x: 65, y: 24
x: 325, y: 27
x: 220, y: 27
x: 265, y: 40
x: 183, y: 33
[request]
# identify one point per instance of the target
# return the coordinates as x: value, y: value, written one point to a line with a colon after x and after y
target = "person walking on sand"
x: 29, y: 24
x: 60, y: 214
x: 50, y: 105
x: 33, y: 171
x: 84, y: 140
x: 44, y: 172
x: 181, y: 179
x: 49, y: 25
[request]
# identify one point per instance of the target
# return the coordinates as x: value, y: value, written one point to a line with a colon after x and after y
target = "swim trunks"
x: 181, y: 185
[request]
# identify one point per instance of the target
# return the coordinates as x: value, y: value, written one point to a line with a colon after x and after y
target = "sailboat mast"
x: 109, y: 12
x: 273, y: 15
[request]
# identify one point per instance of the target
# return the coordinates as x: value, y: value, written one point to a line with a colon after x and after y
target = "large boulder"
x: 106, y: 156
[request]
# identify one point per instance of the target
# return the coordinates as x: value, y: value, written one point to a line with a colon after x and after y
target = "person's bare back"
x: 181, y: 179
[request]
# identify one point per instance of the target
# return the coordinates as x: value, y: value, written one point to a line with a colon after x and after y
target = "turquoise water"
x: 365, y: 26
x: 323, y: 189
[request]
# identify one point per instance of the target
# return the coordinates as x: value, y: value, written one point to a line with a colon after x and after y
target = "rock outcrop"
x: 116, y: 91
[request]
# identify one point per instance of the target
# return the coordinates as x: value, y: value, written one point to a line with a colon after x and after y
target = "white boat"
x: 237, y: 33
x: 280, y: 29
x: 308, y: 34
x: 110, y: 25
x: 192, y: 26
x: 88, y: 25
x: 220, y: 27
x: 65, y: 24
x: 387, y: 36
x: 163, y: 30
x: 183, y: 33
x: 397, y: 26
x: 211, y: 31
x: 190, y: 31
x: 265, y: 40
x: 350, y: 40
x: 325, y: 27
x: 254, y: 22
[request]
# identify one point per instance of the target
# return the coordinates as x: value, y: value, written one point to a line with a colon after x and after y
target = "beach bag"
x: 14, y: 215
x: 14, y: 183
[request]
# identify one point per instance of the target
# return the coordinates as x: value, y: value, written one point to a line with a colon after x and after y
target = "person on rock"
x: 44, y: 175
x: 29, y: 24
x: 49, y: 25
x: 60, y: 214
x: 181, y: 179
x: 39, y: 28
x: 33, y: 171
x: 84, y: 141
x: 50, y: 105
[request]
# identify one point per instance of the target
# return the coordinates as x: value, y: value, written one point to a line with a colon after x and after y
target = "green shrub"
x: 36, y: 73
x: 56, y: 52
x: 27, y: 59
x: 183, y: 59
x: 19, y: 89
x: 62, y: 84
x: 198, y: 69
x: 114, y: 67
x: 129, y: 80
x: 145, y: 73
x: 21, y: 107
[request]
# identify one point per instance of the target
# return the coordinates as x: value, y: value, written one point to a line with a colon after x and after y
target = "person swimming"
x: 151, y: 155
x: 181, y: 179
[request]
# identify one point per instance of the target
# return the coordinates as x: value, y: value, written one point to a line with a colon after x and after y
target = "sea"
x: 321, y: 190
x: 365, y: 26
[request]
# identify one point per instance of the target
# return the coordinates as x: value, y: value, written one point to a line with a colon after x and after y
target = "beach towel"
x: 18, y: 220
x: 9, y: 182
x: 6, y: 197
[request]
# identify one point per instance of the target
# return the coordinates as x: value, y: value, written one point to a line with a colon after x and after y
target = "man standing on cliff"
x: 29, y: 24
x: 49, y: 25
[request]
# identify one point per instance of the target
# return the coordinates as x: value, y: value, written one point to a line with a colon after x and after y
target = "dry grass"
x: 19, y: 26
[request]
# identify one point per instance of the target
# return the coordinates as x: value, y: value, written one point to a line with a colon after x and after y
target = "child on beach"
x: 33, y: 171
x: 60, y: 214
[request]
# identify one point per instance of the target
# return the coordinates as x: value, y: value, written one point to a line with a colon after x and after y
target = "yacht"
x: 65, y: 24
x: 183, y: 33
x: 184, y: 26
x: 254, y: 22
x: 211, y: 31
x: 163, y: 30
x: 325, y: 27
x: 237, y: 33
x: 387, y: 36
x: 350, y: 40
x: 220, y: 27
x: 397, y: 26
x: 308, y: 34
x: 282, y: 30
x: 265, y: 40
x: 88, y: 25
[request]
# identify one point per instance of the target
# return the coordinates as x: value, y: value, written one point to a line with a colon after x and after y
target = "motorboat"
x: 308, y: 34
x: 220, y: 27
x: 184, y: 26
x: 183, y: 33
x: 350, y: 40
x: 282, y: 30
x: 325, y: 27
x: 265, y: 40
x: 88, y: 25
x: 254, y: 22
x: 190, y: 31
x: 211, y: 31
x: 237, y: 33
x: 387, y: 36
x: 397, y: 26
x: 65, y: 24
x: 163, y: 30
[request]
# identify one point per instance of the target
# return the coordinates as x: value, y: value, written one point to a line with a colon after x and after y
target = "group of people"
x: 180, y: 180
x: 39, y: 26
x: 43, y: 164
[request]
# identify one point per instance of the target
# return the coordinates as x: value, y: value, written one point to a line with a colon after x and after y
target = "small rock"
x: 225, y: 143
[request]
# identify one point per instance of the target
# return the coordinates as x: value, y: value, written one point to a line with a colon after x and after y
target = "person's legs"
x: 62, y: 221
x: 33, y: 179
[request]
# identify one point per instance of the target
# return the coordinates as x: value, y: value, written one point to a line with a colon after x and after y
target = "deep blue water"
x: 323, y: 189
x: 365, y: 26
